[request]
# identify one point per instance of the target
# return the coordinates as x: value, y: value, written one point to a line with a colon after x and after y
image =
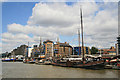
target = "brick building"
x: 110, y: 51
x: 62, y: 49
x: 48, y: 48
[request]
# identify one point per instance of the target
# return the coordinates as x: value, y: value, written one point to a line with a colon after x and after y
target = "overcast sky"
x: 23, y: 22
x: 119, y: 18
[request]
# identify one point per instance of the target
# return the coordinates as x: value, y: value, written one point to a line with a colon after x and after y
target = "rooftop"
x: 48, y: 41
x: 64, y: 44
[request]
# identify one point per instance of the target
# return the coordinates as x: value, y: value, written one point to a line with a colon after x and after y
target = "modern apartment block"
x: 48, y: 48
x: 78, y: 50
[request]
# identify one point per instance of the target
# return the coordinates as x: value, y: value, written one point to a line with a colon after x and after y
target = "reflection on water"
x: 21, y: 70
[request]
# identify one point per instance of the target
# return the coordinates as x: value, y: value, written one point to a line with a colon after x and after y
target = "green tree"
x: 94, y: 50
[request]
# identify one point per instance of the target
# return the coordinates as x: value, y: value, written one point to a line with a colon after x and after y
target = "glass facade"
x: 76, y: 51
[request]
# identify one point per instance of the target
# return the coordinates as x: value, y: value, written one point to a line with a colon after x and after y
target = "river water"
x: 22, y: 70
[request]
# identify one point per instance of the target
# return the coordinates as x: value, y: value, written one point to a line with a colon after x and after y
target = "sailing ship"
x: 94, y: 63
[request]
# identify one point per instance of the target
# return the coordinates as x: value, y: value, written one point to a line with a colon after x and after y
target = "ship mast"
x: 40, y: 47
x: 40, y: 42
x: 79, y: 39
x: 82, y: 34
x: 28, y: 49
x: 58, y: 44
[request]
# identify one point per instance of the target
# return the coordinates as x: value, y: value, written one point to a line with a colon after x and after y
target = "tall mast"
x: 40, y: 46
x: 28, y: 50
x: 82, y: 33
x: 58, y: 44
x: 40, y: 42
x: 79, y: 39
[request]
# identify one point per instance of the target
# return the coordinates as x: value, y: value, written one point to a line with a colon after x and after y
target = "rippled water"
x: 22, y: 70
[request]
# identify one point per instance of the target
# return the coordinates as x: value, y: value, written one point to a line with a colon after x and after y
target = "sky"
x: 119, y: 18
x: 24, y: 22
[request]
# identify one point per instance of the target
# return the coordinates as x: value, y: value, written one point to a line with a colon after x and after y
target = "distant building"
x: 37, y: 51
x: 19, y: 50
x: 29, y: 52
x: 62, y: 49
x: 77, y: 52
x: 110, y: 51
x: 6, y: 54
x: 48, y: 48
x: 118, y: 44
x: 41, y: 47
x: 34, y: 46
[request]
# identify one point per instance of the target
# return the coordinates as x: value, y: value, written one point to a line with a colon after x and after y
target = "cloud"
x: 11, y: 41
x: 0, y: 47
x: 17, y: 28
x: 49, y: 20
x: 3, y: 0
x: 35, y: 30
x: 48, y: 15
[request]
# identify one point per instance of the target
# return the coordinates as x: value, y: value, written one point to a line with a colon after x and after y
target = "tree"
x: 94, y: 50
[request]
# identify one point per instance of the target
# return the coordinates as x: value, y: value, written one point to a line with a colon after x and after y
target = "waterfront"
x: 22, y: 70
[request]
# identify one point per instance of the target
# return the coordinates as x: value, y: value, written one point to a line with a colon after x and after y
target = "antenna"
x: 58, y: 39
x: 28, y: 44
x: 40, y: 41
x: 58, y: 44
x: 40, y: 46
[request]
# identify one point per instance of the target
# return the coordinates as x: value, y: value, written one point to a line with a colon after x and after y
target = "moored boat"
x: 115, y: 64
x: 8, y: 59
x: 108, y: 66
x: 78, y: 63
x: 31, y: 62
x: 91, y: 65
x: 47, y: 62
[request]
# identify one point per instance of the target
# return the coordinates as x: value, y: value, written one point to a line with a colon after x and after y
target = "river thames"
x: 22, y: 70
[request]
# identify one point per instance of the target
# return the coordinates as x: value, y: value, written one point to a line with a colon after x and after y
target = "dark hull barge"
x: 96, y: 65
